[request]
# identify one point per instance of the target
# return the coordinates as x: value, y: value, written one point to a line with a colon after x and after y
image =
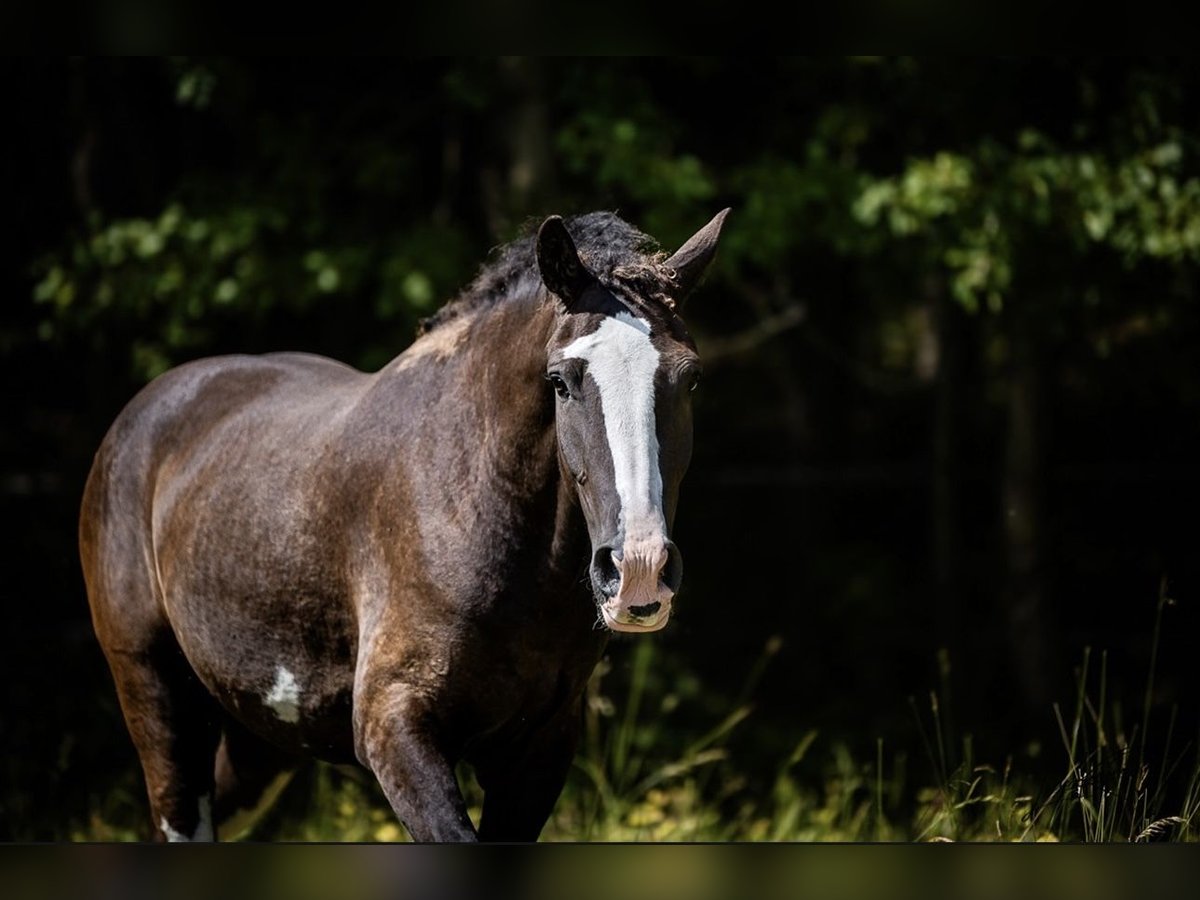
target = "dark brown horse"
x: 288, y: 558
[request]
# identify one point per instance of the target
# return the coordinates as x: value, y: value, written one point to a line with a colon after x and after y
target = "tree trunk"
x: 522, y: 120
x: 947, y: 362
x: 1022, y: 509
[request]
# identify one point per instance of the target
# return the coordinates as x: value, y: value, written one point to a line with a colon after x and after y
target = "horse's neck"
x: 497, y: 435
x: 501, y: 370
x: 502, y: 367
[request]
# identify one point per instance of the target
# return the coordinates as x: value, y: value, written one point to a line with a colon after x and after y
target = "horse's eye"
x: 560, y: 386
x: 694, y: 380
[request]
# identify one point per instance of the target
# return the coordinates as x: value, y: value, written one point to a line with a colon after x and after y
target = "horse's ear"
x: 563, y: 272
x: 692, y: 259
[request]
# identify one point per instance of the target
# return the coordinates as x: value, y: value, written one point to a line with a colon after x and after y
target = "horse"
x: 286, y: 558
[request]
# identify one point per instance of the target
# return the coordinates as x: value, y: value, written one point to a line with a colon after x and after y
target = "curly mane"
x: 619, y: 255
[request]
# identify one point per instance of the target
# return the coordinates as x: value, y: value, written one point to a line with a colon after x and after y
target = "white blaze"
x: 622, y: 362
x: 284, y: 696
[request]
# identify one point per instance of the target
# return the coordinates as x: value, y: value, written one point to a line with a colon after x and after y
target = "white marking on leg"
x: 284, y: 696
x: 204, y: 828
x: 622, y: 362
x: 173, y: 836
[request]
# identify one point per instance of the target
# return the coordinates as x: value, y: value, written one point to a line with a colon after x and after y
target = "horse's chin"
x: 635, y: 626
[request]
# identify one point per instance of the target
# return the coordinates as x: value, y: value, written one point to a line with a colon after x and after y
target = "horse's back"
x: 202, y: 392
x: 170, y: 416
x: 203, y: 415
x: 192, y: 419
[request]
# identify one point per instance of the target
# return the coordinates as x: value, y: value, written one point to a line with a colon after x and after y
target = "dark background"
x: 948, y: 431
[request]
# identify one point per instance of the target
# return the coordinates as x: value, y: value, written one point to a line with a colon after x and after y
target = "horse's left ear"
x: 691, y: 260
x: 563, y: 272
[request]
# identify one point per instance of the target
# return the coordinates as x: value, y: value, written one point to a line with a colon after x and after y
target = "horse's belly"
x: 260, y: 609
x: 286, y: 672
x: 315, y: 722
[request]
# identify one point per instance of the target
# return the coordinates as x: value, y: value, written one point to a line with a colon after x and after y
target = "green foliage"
x: 311, y: 239
x: 634, y: 159
x: 992, y: 216
x: 179, y: 278
x: 992, y: 213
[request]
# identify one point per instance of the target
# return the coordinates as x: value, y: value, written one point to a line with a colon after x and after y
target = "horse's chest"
x: 514, y: 695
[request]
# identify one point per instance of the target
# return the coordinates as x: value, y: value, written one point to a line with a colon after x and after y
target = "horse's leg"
x: 395, y: 738
x: 520, y: 792
x: 250, y: 776
x: 174, y: 726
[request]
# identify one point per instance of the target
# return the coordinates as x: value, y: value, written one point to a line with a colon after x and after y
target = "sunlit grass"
x: 646, y: 772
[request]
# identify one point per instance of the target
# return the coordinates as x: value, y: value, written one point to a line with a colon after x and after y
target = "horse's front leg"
x: 397, y: 739
x: 520, y: 791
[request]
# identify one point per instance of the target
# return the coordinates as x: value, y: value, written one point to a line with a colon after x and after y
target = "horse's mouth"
x: 624, y: 621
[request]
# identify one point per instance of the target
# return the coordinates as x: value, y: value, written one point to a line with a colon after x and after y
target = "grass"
x: 701, y: 795
x: 643, y: 774
x: 1112, y: 790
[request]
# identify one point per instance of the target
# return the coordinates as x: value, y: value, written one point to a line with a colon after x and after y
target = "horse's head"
x: 624, y: 367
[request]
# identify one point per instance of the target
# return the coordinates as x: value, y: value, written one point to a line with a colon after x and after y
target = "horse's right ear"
x: 692, y: 259
x: 563, y: 272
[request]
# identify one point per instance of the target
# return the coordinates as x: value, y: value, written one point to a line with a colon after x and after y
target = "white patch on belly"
x: 284, y: 696
x: 204, y: 828
x: 622, y: 362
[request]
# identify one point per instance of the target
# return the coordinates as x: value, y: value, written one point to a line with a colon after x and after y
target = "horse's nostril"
x: 605, y: 574
x: 672, y: 573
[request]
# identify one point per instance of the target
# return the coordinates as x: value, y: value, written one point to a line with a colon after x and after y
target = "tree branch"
x: 716, y: 349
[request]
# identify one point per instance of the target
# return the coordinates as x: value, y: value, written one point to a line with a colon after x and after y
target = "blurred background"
x: 946, y: 445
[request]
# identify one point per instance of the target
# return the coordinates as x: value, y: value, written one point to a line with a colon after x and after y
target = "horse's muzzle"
x: 638, y: 585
